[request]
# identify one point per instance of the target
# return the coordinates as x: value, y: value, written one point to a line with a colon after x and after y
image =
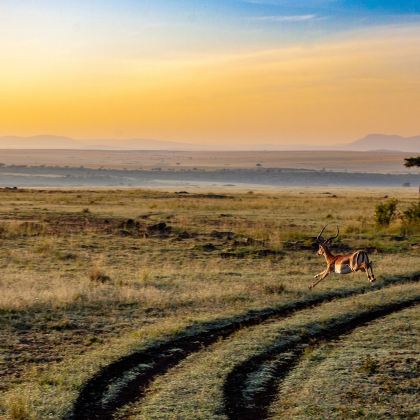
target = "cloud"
x: 305, y: 3
x: 285, y: 18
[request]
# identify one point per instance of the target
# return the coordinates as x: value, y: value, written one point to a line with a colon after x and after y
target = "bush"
x: 411, y: 220
x: 386, y: 212
x: 412, y: 214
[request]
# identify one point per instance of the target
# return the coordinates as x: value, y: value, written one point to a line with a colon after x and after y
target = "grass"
x: 81, y: 288
x: 372, y: 373
x: 195, y: 387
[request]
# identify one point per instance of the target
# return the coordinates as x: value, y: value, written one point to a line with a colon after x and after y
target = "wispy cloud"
x: 285, y: 18
x: 306, y: 3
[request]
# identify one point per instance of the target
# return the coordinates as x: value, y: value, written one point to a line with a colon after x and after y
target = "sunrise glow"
x: 243, y: 72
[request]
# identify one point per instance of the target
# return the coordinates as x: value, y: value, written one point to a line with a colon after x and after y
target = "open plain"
x: 190, y: 304
x: 351, y: 161
x: 179, y: 170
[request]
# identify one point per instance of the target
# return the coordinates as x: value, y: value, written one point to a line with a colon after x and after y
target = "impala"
x: 341, y: 264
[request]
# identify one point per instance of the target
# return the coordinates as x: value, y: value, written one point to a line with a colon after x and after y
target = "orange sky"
x: 325, y: 92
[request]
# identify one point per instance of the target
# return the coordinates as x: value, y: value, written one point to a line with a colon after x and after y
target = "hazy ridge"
x: 368, y: 143
x: 387, y: 142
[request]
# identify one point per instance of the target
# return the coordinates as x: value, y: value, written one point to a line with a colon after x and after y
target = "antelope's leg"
x: 323, y: 275
x: 365, y: 267
x: 319, y: 275
x: 372, y: 276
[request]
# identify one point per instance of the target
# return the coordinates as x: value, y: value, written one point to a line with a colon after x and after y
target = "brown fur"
x: 356, y: 261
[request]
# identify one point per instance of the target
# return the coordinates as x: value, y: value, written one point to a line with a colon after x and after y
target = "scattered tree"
x: 413, y: 161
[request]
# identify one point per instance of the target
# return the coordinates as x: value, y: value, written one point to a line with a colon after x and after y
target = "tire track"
x: 126, y: 380
x: 238, y: 406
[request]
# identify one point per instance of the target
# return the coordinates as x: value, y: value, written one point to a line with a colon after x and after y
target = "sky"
x: 231, y: 72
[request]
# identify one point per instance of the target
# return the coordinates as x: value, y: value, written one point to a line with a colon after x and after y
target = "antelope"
x: 341, y: 264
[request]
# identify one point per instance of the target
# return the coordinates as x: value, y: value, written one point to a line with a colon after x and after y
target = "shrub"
x: 412, y: 214
x: 386, y: 212
x: 411, y: 220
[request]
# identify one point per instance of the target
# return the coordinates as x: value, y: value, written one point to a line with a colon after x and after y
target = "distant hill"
x: 386, y: 142
x: 140, y: 144
x: 371, y: 142
x: 39, y: 142
x: 61, y: 142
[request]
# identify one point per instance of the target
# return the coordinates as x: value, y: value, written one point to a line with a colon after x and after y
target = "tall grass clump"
x: 18, y: 408
x: 17, y: 229
x: 97, y: 274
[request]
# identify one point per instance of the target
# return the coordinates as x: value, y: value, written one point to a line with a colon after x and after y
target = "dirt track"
x: 237, y: 407
x: 131, y: 375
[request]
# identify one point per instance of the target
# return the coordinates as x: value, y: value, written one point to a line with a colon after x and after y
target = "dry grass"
x: 372, y: 373
x: 72, y: 282
x: 384, y: 162
x: 195, y: 387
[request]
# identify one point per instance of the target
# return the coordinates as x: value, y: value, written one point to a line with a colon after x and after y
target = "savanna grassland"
x: 153, y: 304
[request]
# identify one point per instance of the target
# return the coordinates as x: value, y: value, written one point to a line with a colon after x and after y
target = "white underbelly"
x: 342, y: 269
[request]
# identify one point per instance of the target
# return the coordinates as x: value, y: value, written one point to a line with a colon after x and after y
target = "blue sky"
x: 233, y: 23
x: 210, y: 24
x: 344, y: 10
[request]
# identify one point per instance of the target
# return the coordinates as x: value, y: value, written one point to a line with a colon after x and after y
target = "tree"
x: 413, y: 161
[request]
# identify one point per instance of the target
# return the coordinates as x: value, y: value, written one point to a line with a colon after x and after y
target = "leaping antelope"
x: 341, y: 264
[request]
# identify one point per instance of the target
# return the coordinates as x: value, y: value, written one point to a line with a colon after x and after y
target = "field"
x: 190, y: 304
x: 181, y: 170
x: 376, y: 161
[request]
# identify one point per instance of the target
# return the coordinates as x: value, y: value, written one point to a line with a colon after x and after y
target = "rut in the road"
x: 237, y: 406
x: 129, y: 377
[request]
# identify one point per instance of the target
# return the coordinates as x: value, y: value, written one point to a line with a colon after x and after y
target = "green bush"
x: 386, y: 212
x: 412, y: 214
x: 411, y: 220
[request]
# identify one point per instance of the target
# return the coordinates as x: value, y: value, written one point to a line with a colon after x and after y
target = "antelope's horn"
x: 334, y: 237
x: 318, y: 238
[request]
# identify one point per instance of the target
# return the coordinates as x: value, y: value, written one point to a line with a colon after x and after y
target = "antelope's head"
x: 323, y: 244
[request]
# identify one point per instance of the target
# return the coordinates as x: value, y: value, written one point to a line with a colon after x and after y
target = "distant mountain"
x: 39, y: 142
x: 371, y: 142
x: 61, y: 142
x: 386, y: 142
x: 140, y: 144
